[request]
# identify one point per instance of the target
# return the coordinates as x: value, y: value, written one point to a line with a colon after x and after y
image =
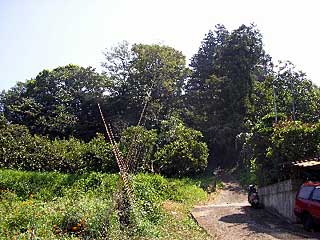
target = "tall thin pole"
x: 132, y: 152
x: 275, y: 104
x: 293, y: 101
x: 122, y: 166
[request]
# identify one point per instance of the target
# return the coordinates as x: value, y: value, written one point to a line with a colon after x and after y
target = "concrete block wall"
x: 280, y: 197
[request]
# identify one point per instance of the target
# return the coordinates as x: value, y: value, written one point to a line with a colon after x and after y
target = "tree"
x: 271, y: 148
x: 3, y: 121
x: 151, y: 73
x: 58, y: 103
x: 181, y: 151
x: 159, y: 71
x: 237, y: 59
x: 296, y: 96
x: 203, y: 61
x: 262, y: 99
x: 117, y: 67
x: 221, y: 86
x: 203, y: 64
x: 286, y: 91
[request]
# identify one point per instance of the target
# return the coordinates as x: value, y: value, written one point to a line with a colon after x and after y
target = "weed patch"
x: 52, y: 205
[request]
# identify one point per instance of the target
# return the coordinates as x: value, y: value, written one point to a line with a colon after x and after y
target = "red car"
x: 307, y: 205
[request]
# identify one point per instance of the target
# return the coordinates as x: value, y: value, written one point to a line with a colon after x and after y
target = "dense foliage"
x: 175, y: 151
x: 22, y: 150
x: 234, y: 84
x: 144, y: 73
x: 139, y: 144
x: 271, y: 148
x: 219, y: 90
x: 178, y: 151
x: 231, y: 85
x: 289, y: 91
x: 65, y: 206
x: 58, y: 103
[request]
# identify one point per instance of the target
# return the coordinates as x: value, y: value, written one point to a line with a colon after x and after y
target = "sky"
x: 45, y: 34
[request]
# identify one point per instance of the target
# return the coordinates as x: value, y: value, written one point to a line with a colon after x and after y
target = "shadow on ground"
x: 233, y: 186
x: 261, y: 221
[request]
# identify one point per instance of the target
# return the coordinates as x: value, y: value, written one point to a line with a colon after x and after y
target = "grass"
x: 52, y: 205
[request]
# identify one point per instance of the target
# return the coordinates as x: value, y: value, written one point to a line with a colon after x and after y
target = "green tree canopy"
x: 152, y: 73
x: 58, y: 103
x: 289, y: 91
x: 180, y: 149
x: 219, y: 92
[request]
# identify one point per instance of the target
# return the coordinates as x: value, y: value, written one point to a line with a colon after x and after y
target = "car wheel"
x: 307, y: 222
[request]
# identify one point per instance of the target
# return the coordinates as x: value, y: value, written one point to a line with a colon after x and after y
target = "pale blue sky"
x: 44, y: 34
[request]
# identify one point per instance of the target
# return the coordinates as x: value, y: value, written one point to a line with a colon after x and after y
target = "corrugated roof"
x: 310, y: 162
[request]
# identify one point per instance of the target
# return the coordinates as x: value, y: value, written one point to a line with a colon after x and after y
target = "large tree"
x: 145, y: 73
x: 58, y: 103
x: 295, y: 94
x: 219, y: 92
x: 117, y: 67
x: 287, y: 91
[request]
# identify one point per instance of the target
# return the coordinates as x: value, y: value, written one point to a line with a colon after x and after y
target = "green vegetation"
x: 230, y: 86
x: 54, y: 206
x: 219, y: 91
x: 177, y: 152
x: 22, y: 150
x: 58, y: 103
x: 271, y: 148
x: 231, y: 106
x: 144, y: 143
x: 181, y: 152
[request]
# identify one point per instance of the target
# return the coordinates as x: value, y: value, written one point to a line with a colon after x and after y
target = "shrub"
x: 269, y: 150
x: 149, y: 196
x: 180, y: 151
x: 85, y: 207
x: 138, y: 144
x: 49, y: 185
x: 99, y: 156
x: 21, y: 150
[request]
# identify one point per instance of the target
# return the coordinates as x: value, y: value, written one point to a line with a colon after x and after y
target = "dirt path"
x: 229, y: 217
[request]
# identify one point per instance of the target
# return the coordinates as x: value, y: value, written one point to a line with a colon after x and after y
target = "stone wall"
x: 280, y: 198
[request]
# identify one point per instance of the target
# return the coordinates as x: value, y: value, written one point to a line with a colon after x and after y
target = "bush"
x: 270, y: 150
x: 175, y: 151
x: 21, y: 150
x: 180, y: 151
x: 50, y: 185
x: 55, y: 205
x: 138, y: 145
x: 78, y: 206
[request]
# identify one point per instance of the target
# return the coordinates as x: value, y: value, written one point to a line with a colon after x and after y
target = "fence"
x: 280, y: 197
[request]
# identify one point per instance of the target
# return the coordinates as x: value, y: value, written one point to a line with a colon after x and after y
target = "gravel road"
x: 229, y: 217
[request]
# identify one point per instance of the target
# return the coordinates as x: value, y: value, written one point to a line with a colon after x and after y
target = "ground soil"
x: 229, y: 217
